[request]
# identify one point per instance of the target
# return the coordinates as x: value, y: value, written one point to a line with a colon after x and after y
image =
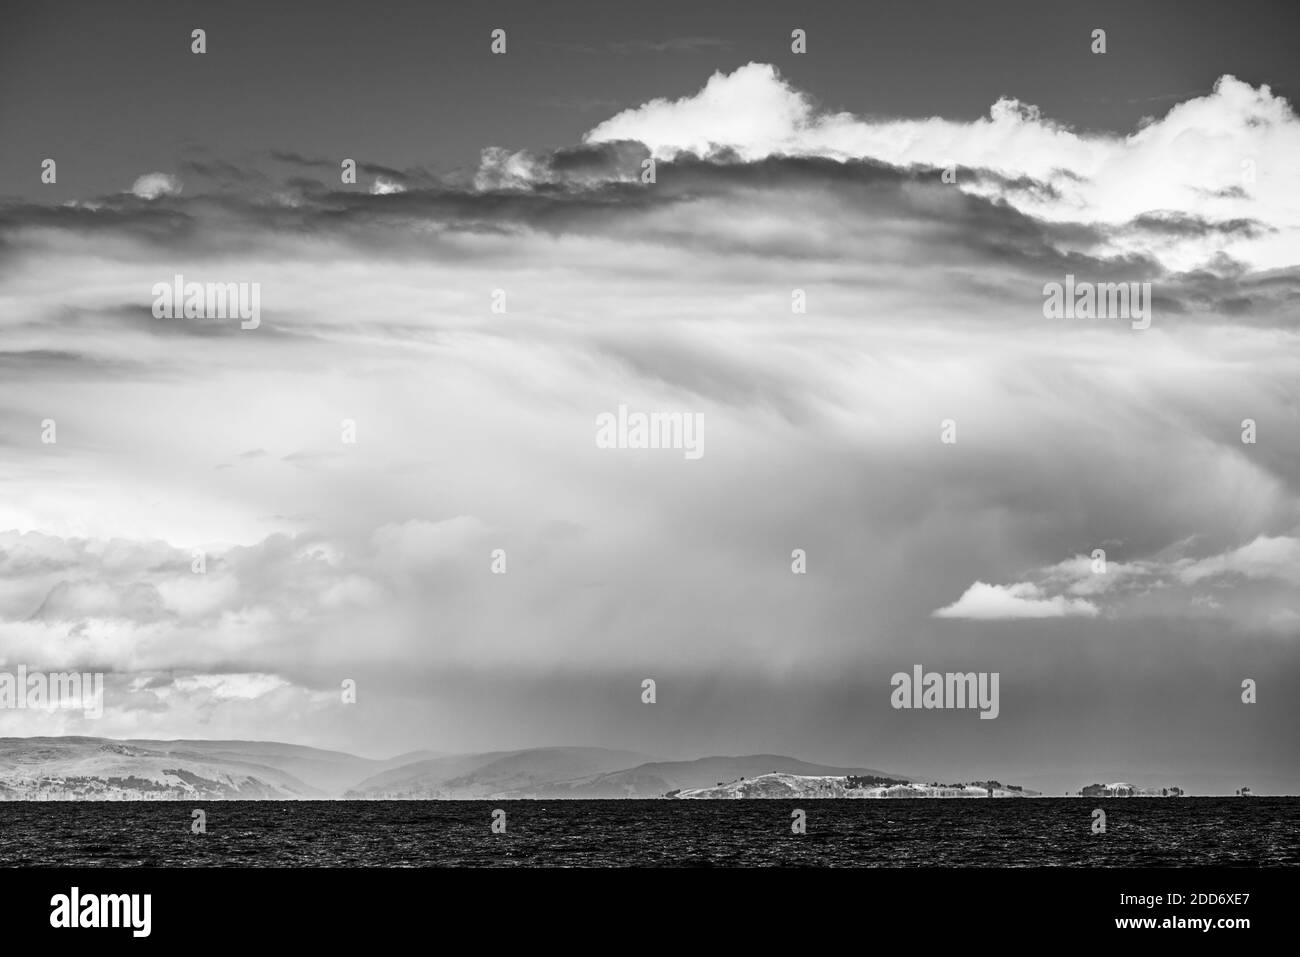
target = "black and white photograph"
x: 667, y: 449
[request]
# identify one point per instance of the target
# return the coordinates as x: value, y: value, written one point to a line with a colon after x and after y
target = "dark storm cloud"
x: 95, y: 326
x: 597, y: 162
x: 224, y: 173
x: 1036, y: 188
x: 883, y: 211
x: 1174, y: 223
x: 406, y: 177
x: 36, y: 365
x: 123, y: 214
x: 1255, y: 299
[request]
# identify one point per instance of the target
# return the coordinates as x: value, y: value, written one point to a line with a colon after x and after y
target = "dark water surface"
x: 1157, y: 832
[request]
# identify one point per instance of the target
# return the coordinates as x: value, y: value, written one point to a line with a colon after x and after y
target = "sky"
x: 1171, y: 159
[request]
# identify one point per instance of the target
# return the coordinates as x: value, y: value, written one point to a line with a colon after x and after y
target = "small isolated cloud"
x: 155, y: 185
x: 383, y: 186
x: 1021, y: 600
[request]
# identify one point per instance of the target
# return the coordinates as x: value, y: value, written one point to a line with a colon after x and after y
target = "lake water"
x: 1246, y: 832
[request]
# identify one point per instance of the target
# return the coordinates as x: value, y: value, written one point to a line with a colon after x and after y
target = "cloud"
x: 1167, y: 583
x: 1021, y: 600
x: 475, y: 432
x: 1225, y: 157
x: 155, y: 185
x: 241, y: 686
x: 76, y: 600
x: 407, y: 178
x: 752, y: 111
x: 1267, y: 557
x: 588, y: 166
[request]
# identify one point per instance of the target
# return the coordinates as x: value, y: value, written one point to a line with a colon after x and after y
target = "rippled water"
x: 1048, y: 831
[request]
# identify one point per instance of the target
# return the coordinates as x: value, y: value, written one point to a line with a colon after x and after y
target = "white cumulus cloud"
x: 155, y: 185
x: 1021, y: 600
x: 1223, y: 158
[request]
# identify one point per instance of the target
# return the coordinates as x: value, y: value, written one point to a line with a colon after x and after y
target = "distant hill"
x: 578, y: 773
x: 105, y: 769
x: 329, y: 772
x: 530, y: 773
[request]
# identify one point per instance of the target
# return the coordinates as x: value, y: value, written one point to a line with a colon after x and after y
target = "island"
x: 1123, y: 790
x: 780, y: 785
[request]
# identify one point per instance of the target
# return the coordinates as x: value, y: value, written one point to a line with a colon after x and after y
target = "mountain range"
x: 85, y: 768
